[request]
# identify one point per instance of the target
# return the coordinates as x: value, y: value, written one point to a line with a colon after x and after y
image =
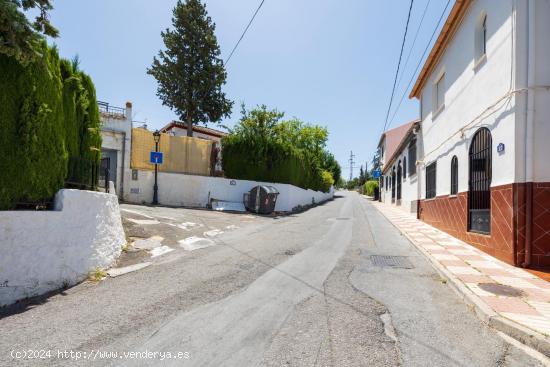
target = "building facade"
x: 484, y: 175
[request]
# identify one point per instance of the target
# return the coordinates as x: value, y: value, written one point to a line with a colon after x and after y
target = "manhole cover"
x: 501, y: 289
x: 391, y: 261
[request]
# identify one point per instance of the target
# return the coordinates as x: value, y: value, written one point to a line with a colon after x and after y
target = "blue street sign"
x: 500, y: 148
x: 156, y: 158
x: 377, y: 173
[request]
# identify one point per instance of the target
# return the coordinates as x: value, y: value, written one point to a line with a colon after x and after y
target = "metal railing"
x: 106, y: 108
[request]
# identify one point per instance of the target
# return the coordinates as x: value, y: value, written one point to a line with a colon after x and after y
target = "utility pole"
x: 351, y: 162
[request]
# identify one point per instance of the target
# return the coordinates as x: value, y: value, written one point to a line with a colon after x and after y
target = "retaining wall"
x: 41, y: 251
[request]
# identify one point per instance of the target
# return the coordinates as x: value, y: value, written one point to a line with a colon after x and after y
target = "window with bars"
x: 412, y: 157
x: 454, y: 175
x: 431, y: 176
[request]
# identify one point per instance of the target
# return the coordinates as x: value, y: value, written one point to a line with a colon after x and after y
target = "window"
x: 439, y: 93
x: 412, y: 157
x: 480, y: 175
x: 481, y: 37
x: 404, y: 167
x: 431, y: 173
x: 454, y: 175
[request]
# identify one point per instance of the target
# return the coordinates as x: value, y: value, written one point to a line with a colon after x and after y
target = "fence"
x: 181, y: 154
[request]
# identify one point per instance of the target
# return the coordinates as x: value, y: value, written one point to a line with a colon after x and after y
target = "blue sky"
x: 327, y: 62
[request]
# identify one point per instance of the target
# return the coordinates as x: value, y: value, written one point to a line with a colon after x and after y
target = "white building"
x: 116, y: 134
x: 484, y: 93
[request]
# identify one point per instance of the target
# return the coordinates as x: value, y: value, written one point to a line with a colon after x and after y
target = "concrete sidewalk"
x: 508, y: 298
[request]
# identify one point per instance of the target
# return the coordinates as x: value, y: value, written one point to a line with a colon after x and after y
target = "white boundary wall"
x: 177, y: 189
x: 41, y: 251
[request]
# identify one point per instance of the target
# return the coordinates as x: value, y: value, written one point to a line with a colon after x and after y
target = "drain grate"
x: 501, y: 289
x: 391, y: 261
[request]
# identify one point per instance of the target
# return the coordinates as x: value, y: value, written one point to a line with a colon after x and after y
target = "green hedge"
x: 271, y: 161
x: 370, y: 186
x: 48, y: 113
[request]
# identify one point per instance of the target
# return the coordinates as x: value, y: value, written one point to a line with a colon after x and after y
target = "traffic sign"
x: 156, y: 158
x: 377, y: 173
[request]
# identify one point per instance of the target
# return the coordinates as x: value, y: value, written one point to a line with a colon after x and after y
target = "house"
x: 178, y: 128
x: 398, y: 155
x: 484, y: 93
x: 116, y: 134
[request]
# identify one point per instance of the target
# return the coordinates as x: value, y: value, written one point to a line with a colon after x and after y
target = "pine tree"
x: 20, y: 38
x: 190, y: 72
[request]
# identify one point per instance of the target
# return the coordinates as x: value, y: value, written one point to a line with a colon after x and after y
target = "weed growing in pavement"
x: 97, y: 275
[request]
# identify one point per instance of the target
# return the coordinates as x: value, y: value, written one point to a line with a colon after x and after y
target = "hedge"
x: 48, y: 113
x: 272, y: 161
x: 370, y: 187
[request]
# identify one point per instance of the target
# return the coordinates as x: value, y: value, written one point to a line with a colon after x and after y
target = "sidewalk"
x: 499, y: 292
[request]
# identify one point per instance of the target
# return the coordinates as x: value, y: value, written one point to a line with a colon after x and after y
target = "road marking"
x: 148, y: 243
x: 144, y: 221
x: 115, y: 272
x: 213, y: 233
x: 137, y: 212
x: 194, y: 243
x: 158, y: 251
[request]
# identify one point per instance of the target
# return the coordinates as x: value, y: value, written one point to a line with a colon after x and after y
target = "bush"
x: 327, y: 181
x: 369, y: 187
x: 261, y: 148
x: 48, y: 113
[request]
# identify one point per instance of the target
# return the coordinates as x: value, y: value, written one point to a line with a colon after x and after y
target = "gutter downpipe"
x: 529, y: 134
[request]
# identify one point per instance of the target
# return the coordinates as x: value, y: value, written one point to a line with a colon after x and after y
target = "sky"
x: 327, y: 62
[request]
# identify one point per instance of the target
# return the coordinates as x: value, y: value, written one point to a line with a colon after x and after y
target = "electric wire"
x: 244, y: 32
x: 398, y: 64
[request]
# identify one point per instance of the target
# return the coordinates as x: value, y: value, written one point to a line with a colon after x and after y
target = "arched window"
x: 454, y: 175
x: 479, y: 184
x: 481, y: 37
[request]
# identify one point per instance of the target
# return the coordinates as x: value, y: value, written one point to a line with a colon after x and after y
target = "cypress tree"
x: 190, y: 72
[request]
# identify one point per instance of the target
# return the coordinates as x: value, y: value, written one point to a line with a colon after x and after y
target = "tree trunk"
x: 189, y: 123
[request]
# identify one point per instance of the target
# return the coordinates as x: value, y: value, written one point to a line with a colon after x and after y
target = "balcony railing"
x: 106, y: 108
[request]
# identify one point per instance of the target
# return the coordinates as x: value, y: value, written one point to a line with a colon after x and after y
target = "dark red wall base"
x: 508, y: 222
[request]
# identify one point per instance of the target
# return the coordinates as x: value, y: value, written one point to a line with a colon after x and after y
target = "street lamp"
x: 156, y: 136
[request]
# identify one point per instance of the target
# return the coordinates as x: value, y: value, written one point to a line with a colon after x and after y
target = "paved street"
x: 298, y: 290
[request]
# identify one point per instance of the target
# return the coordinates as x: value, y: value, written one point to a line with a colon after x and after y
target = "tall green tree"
x: 19, y: 37
x: 190, y: 72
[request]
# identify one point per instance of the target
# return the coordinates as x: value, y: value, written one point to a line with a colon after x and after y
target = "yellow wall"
x: 181, y: 154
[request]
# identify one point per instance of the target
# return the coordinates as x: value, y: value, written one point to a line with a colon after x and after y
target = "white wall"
x: 116, y: 132
x: 533, y: 53
x: 195, y: 191
x: 471, y: 89
x: 409, y: 184
x: 44, y: 250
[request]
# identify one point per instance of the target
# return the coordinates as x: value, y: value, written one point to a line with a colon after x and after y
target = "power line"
x: 244, y: 32
x: 413, y: 43
x: 420, y: 61
x: 398, y: 64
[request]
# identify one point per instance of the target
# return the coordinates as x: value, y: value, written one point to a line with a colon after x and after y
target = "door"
x: 479, y: 182
x: 108, y: 160
x: 399, y: 181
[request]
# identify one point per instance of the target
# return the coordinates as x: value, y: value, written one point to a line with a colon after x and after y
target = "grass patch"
x: 97, y: 275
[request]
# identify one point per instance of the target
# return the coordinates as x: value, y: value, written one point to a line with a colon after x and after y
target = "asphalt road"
x: 299, y: 290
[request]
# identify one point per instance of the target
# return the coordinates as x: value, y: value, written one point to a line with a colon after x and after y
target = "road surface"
x: 297, y: 290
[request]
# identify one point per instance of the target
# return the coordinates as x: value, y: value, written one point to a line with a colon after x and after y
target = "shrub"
x: 46, y: 116
x: 327, y: 181
x: 264, y: 149
x: 369, y: 187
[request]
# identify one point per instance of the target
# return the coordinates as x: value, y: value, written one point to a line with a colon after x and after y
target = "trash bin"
x: 261, y: 199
